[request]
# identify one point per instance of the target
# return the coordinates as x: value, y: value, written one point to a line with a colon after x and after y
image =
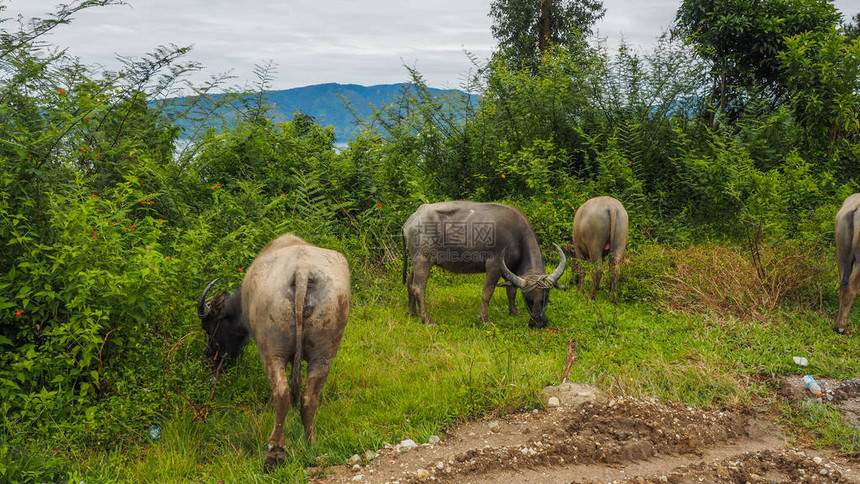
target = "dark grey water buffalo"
x: 468, y: 237
x: 599, y: 230
x: 294, y: 302
x: 847, y: 257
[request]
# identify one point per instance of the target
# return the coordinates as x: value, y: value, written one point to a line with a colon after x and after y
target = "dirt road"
x: 602, y: 441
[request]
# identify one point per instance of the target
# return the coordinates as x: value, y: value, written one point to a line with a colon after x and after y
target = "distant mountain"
x: 326, y: 103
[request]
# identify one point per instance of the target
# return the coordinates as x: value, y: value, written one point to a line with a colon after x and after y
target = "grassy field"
x: 395, y: 378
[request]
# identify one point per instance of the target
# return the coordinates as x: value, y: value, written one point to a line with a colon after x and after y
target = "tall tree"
x: 741, y: 39
x: 525, y: 28
x: 851, y: 28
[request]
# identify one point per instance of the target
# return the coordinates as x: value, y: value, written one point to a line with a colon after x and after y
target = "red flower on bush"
x: 213, y: 188
x: 95, y: 238
x: 133, y: 227
x: 240, y: 269
x: 17, y: 313
x: 379, y: 204
x: 61, y: 91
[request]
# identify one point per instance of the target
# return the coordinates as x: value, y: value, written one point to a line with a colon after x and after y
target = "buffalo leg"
x: 578, y: 276
x: 493, y: 275
x: 418, y: 286
x: 412, y: 298
x: 311, y: 400
x: 276, y: 456
x: 595, y: 277
x: 847, y: 292
x: 615, y: 270
x: 512, y: 301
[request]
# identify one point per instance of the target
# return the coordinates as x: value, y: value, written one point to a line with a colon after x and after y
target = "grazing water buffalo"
x: 294, y: 302
x: 847, y: 256
x: 599, y: 230
x: 467, y: 237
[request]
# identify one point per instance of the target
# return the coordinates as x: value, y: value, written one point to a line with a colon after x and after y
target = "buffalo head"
x: 221, y: 320
x: 536, y: 287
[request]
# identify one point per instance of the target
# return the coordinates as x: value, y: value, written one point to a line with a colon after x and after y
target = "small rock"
x: 407, y: 444
x: 824, y: 472
x: 422, y: 474
x: 817, y: 460
x: 355, y: 459
x: 369, y: 455
x: 664, y: 479
x: 356, y: 467
x: 434, y: 439
x: 553, y: 402
x: 494, y: 425
x: 357, y: 477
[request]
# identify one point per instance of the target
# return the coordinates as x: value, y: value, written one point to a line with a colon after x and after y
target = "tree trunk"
x: 545, y: 25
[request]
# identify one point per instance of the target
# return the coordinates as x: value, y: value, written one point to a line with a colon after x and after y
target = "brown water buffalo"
x: 468, y: 238
x: 847, y: 232
x: 294, y: 302
x: 599, y: 230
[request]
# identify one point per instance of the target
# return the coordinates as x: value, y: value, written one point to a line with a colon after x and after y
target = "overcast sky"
x: 348, y: 41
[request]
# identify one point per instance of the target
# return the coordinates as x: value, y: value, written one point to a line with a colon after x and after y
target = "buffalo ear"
x: 217, y: 303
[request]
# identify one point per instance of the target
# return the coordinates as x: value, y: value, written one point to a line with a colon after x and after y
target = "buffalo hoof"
x: 841, y: 331
x: 275, y: 457
x: 514, y: 313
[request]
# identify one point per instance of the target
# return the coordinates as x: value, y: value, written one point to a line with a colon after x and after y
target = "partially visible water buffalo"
x: 468, y: 237
x: 599, y: 230
x: 294, y: 302
x: 847, y: 256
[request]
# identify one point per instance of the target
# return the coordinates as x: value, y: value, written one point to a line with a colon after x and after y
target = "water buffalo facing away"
x: 467, y: 237
x: 847, y: 256
x: 599, y: 230
x: 294, y: 302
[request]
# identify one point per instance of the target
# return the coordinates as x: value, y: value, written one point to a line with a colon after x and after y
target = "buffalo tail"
x: 296, y: 377
x: 405, y: 262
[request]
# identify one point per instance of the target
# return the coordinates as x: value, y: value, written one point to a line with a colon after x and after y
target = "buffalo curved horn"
x: 510, y: 276
x: 562, y: 265
x: 202, y: 307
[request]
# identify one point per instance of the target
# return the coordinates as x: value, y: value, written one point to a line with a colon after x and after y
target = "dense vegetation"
x: 730, y: 163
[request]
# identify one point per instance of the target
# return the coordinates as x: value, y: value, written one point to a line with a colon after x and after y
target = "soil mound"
x: 619, y: 440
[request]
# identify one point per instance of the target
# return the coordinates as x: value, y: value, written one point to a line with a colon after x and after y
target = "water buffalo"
x: 468, y: 237
x: 294, y: 302
x: 599, y: 230
x: 847, y: 255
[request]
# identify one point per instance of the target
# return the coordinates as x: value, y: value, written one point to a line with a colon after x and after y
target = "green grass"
x: 395, y: 378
